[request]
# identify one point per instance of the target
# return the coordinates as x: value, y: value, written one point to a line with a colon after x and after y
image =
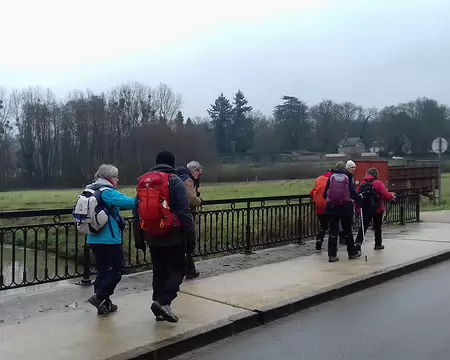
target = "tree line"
x: 46, y: 142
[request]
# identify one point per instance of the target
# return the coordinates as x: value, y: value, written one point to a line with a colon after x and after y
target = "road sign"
x: 439, y: 145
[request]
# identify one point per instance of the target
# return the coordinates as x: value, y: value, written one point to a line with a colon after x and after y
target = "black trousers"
x: 110, y: 263
x: 377, y: 222
x: 323, y: 223
x: 189, y: 261
x: 334, y: 232
x: 169, y: 268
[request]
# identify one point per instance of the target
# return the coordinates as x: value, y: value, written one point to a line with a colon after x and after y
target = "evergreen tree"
x: 242, y: 124
x: 179, y: 122
x: 221, y: 113
x: 292, y: 118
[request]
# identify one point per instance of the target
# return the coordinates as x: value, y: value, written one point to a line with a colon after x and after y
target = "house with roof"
x: 376, y: 147
x: 350, y: 145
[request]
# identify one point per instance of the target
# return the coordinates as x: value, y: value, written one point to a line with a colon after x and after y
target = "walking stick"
x: 364, y: 235
x: 388, y: 208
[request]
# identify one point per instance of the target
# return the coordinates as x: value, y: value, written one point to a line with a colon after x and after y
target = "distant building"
x: 376, y: 147
x: 349, y: 145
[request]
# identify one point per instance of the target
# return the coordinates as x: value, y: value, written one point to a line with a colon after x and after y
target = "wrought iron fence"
x: 43, y: 246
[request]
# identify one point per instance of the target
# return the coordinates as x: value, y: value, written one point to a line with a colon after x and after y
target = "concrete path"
x: 219, y: 306
x: 404, y: 319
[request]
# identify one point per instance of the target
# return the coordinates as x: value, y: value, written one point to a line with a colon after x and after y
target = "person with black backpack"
x: 373, y: 193
x: 339, y: 194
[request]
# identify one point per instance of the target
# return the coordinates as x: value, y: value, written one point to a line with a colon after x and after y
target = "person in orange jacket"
x: 374, y: 194
x: 316, y: 195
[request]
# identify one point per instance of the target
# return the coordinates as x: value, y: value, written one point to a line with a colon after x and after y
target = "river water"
x: 31, y: 264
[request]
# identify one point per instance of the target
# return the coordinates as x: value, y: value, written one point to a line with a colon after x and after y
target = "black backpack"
x: 370, y: 198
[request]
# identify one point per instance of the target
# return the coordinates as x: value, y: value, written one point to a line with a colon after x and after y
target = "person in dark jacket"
x: 350, y: 166
x: 168, y: 251
x: 191, y: 177
x: 342, y: 212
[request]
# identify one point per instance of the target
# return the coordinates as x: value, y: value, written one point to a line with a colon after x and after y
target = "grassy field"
x: 57, y: 199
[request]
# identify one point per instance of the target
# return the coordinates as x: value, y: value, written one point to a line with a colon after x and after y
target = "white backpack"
x: 89, y: 213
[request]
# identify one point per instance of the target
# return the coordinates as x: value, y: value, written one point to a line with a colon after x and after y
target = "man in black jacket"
x: 339, y: 194
x: 167, y: 252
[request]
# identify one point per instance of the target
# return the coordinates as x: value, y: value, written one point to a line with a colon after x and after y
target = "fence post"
x: 248, y: 245
x: 86, y: 280
x: 300, y: 222
x: 1, y: 259
x: 418, y: 207
x: 402, y: 212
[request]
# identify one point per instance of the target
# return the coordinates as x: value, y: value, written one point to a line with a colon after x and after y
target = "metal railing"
x: 42, y: 246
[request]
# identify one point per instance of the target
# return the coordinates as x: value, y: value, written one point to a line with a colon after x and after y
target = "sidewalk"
x: 216, y: 307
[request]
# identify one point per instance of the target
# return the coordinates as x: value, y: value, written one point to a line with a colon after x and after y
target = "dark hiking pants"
x: 377, y: 223
x: 110, y: 263
x: 323, y: 223
x: 169, y: 268
x: 334, y: 232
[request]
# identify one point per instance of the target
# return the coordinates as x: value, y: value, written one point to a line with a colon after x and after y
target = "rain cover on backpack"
x: 90, y: 212
x: 339, y: 192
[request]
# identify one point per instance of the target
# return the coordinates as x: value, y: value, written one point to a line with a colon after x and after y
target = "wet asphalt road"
x: 405, y: 319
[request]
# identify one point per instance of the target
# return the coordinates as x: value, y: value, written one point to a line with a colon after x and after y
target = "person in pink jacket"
x: 374, y: 194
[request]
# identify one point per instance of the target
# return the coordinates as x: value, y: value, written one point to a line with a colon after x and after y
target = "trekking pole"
x: 388, y: 207
x: 364, y: 235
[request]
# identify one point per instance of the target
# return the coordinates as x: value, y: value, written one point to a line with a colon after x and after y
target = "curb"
x: 250, y: 319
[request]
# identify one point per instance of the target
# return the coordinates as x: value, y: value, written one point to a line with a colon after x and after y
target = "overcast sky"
x: 371, y: 52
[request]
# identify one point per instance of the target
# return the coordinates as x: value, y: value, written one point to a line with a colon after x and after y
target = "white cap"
x: 350, y: 164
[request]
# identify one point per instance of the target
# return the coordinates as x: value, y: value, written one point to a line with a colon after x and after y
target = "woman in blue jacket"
x: 107, y: 245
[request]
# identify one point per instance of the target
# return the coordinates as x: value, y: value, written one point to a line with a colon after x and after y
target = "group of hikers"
x: 164, y: 210
x: 336, y: 199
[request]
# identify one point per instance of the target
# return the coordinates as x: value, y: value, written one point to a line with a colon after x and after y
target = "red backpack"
x: 156, y: 218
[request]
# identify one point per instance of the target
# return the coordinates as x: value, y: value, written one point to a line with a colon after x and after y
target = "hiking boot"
x: 170, y: 315
x: 355, y: 256
x: 379, y: 247
x: 164, y: 312
x: 318, y: 245
x: 332, y: 259
x: 192, y: 275
x: 99, y: 304
x: 157, y: 309
x: 111, y: 307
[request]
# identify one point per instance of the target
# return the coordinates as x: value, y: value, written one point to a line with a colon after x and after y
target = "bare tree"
x: 166, y: 103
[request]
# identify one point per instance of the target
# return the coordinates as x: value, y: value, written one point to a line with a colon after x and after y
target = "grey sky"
x: 369, y: 52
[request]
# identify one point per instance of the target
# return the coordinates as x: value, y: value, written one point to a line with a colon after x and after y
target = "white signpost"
x: 439, y: 146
